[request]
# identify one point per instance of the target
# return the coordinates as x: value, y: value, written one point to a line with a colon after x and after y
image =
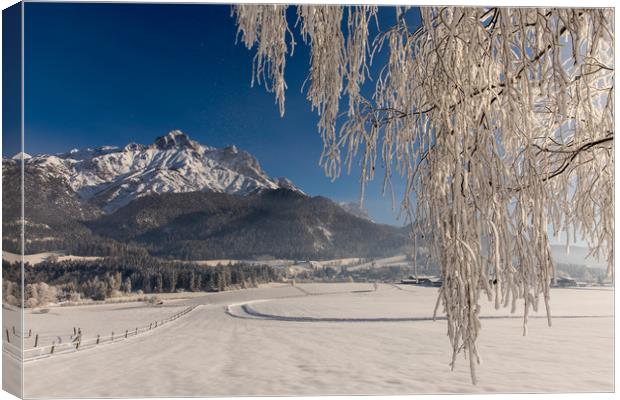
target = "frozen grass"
x: 209, y: 352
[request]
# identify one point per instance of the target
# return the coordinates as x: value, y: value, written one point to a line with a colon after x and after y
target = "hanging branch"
x: 500, y: 120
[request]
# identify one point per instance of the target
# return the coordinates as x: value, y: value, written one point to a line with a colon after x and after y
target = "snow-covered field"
x: 309, y: 340
x: 57, y: 324
x: 33, y: 259
x: 300, y: 266
x: 399, y: 260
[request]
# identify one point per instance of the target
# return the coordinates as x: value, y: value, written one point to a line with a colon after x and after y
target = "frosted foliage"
x: 266, y: 26
x: 501, y: 122
x: 321, y: 29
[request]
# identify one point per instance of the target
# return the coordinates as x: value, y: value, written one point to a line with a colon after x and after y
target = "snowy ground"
x: 399, y: 260
x: 285, y: 348
x: 57, y: 324
x: 294, y: 266
x: 11, y: 317
x: 33, y: 259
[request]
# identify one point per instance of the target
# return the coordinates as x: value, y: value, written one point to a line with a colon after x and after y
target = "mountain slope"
x: 280, y: 223
x: 355, y: 208
x: 52, y: 210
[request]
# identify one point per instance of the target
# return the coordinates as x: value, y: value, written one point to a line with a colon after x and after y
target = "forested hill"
x: 280, y: 223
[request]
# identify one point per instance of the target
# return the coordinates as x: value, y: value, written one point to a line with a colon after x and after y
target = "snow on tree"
x: 500, y: 120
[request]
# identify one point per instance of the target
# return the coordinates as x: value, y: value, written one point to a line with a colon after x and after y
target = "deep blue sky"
x: 11, y: 78
x: 108, y: 74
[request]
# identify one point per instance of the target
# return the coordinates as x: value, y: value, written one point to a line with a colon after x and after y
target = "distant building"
x: 422, y: 281
x: 565, y: 282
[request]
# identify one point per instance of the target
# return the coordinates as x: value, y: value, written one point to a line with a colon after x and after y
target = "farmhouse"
x: 565, y: 282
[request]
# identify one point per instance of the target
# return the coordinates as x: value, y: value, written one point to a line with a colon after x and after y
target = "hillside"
x: 280, y: 223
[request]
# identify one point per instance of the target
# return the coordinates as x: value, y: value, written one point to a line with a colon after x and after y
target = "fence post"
x: 8, y: 338
x: 74, y: 331
x: 97, y: 339
x: 14, y: 331
x: 53, y: 345
x: 126, y: 334
x: 112, y: 339
x: 36, y: 340
x: 29, y: 332
x: 150, y: 326
x: 155, y: 324
x: 136, y: 331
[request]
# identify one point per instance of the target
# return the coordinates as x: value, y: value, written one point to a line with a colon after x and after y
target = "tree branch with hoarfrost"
x: 500, y: 120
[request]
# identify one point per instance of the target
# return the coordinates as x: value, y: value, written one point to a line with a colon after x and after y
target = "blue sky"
x: 11, y: 79
x: 109, y: 74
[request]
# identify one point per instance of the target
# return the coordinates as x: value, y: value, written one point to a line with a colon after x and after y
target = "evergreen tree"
x: 127, y: 285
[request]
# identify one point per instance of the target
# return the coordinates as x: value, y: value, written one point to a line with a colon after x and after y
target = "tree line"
x: 51, y: 281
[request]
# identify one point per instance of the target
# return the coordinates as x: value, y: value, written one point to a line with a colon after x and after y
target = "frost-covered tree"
x: 127, y: 285
x: 499, y: 119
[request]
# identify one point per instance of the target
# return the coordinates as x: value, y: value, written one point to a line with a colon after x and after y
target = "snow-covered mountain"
x: 111, y: 177
x: 21, y: 155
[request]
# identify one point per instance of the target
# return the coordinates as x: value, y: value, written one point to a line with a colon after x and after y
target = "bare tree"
x: 500, y: 119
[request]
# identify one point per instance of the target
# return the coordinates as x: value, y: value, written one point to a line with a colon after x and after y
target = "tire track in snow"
x: 254, y: 314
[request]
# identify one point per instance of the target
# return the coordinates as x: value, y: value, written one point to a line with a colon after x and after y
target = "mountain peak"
x: 285, y: 183
x: 174, y: 139
x: 232, y: 149
x: 133, y: 147
x: 110, y: 177
x: 21, y: 155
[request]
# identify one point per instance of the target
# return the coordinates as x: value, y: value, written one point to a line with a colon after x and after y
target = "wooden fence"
x: 77, y: 343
